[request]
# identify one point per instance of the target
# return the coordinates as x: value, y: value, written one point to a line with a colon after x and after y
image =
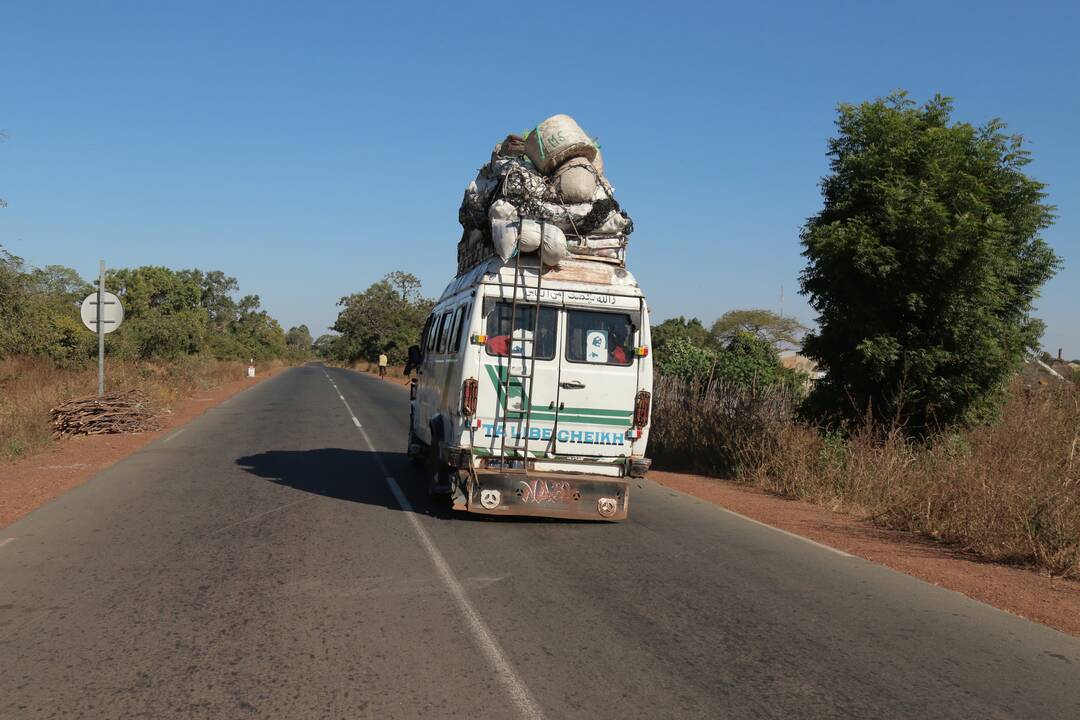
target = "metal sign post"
x: 101, y: 331
x: 101, y: 313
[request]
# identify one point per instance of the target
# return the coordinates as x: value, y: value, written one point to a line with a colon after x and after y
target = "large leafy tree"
x: 40, y: 312
x: 387, y: 317
x: 299, y: 337
x: 766, y: 325
x: 682, y: 332
x: 740, y: 359
x: 168, y: 313
x: 922, y: 265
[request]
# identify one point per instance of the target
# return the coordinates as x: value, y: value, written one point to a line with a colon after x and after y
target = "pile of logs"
x: 125, y: 412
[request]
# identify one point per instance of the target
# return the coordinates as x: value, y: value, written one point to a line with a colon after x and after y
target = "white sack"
x: 503, y: 210
x: 504, y: 236
x: 511, y: 235
x: 553, y: 244
x: 504, y: 228
x: 534, y: 234
x: 555, y: 141
x: 528, y: 236
x: 575, y: 181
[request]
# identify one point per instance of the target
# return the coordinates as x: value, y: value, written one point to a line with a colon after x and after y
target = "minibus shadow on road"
x: 356, y: 476
x: 351, y: 475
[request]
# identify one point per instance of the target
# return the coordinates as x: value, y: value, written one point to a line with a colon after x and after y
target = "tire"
x: 418, y: 460
x: 438, y: 475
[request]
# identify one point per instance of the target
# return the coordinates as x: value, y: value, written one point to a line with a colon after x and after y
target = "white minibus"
x: 533, y: 389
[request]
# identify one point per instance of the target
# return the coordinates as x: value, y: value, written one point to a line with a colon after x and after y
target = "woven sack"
x: 555, y: 141
x: 575, y: 181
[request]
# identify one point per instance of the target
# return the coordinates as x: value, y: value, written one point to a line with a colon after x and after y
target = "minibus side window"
x: 424, y: 334
x: 459, y: 321
x: 433, y: 331
x: 601, y: 338
x: 444, y: 331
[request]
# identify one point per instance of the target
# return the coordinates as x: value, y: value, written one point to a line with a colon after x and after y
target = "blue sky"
x: 310, y: 148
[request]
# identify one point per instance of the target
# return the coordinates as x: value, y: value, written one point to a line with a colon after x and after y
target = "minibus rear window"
x: 600, y: 338
x: 498, y: 329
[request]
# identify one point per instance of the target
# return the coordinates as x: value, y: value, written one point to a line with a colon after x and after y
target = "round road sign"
x: 112, y: 312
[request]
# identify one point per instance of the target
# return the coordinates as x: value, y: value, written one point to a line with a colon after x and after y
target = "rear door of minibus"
x: 598, y: 375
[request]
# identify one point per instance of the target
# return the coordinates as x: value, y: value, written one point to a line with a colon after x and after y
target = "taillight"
x: 641, y: 409
x: 469, y: 390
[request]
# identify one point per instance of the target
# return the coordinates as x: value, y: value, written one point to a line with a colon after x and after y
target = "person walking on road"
x: 383, y: 360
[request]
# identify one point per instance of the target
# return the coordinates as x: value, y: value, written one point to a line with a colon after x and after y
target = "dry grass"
x: 1007, y: 493
x: 30, y: 387
x: 711, y: 427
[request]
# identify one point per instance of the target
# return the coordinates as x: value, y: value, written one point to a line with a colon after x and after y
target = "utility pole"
x: 101, y: 331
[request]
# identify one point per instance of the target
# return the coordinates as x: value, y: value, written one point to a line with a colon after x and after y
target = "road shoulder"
x: 33, y: 481
x: 1017, y: 590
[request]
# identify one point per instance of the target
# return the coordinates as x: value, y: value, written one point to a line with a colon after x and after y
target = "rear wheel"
x: 438, y: 474
x: 415, y: 449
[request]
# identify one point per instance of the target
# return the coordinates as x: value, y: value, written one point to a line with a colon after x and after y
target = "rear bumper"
x: 540, y: 494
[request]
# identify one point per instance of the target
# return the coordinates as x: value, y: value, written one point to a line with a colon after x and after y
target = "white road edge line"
x: 785, y: 532
x: 485, y: 639
x: 173, y: 435
x: 5, y: 541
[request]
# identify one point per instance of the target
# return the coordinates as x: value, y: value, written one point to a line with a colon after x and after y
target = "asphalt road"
x: 259, y: 563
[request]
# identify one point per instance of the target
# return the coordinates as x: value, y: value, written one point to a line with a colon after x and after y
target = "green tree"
x: 325, y: 346
x: 168, y: 313
x: 258, y: 334
x: 750, y: 361
x: 692, y: 331
x: 387, y: 317
x: 40, y: 311
x: 922, y: 265
x: 163, y: 314
x: 299, y: 337
x: 406, y: 284
x: 680, y: 357
x: 685, y: 349
x: 775, y: 329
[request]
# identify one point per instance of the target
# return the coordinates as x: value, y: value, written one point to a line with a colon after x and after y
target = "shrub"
x: 712, y: 426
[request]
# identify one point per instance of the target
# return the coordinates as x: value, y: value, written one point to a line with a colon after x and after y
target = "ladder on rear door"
x: 528, y: 355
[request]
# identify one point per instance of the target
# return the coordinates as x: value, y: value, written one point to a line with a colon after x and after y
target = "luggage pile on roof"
x: 545, y: 192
